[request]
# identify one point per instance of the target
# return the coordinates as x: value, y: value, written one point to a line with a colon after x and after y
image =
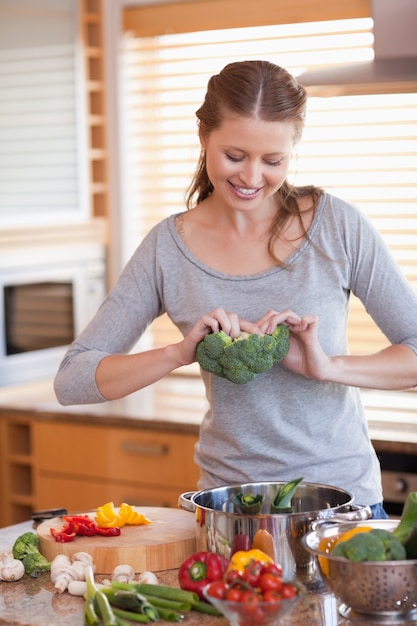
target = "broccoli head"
x: 241, y: 359
x: 375, y: 545
x: 26, y: 549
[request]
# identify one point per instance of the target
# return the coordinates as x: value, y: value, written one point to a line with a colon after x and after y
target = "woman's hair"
x: 254, y: 89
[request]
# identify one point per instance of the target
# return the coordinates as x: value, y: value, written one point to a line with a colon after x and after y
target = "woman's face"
x: 247, y: 160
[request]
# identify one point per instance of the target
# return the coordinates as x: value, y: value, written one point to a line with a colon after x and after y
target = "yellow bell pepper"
x: 327, y: 544
x: 241, y: 559
x: 107, y: 517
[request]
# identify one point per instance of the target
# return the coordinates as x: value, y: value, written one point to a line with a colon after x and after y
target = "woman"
x: 250, y: 253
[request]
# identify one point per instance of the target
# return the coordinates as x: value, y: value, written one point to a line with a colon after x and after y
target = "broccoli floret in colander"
x: 375, y: 545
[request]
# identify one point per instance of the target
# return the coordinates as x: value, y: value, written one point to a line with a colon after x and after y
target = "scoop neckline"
x: 213, y: 272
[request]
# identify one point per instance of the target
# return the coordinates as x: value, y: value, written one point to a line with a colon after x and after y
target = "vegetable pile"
x: 255, y: 581
x: 113, y: 604
x: 82, y: 526
x: 240, y: 360
x: 107, y: 523
x: 376, y: 544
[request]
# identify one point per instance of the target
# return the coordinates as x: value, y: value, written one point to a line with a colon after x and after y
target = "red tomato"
x: 249, y: 598
x: 252, y: 572
x: 233, y: 594
x: 270, y: 581
x: 259, y: 615
x: 232, y: 577
x: 272, y: 595
x: 217, y: 589
x: 271, y: 568
x: 288, y: 591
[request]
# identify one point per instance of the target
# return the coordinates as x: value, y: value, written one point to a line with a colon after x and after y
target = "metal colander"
x: 384, y: 588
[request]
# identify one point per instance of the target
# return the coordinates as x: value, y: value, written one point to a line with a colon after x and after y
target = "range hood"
x: 394, y: 67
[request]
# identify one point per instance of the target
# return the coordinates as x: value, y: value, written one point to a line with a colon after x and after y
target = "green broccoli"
x: 26, y: 549
x: 375, y: 545
x: 241, y: 359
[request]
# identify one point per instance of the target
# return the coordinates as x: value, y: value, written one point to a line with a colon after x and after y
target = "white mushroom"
x: 148, y: 578
x: 79, y: 570
x: 123, y: 573
x: 84, y: 558
x: 11, y: 568
x: 62, y: 572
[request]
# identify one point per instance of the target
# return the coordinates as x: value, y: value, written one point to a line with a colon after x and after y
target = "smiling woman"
x: 361, y: 147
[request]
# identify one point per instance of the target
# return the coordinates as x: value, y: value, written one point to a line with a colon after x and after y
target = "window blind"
x: 42, y: 162
x: 362, y: 148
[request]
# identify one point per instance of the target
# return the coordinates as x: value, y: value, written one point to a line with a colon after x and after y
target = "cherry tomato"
x: 271, y: 568
x: 253, y: 616
x: 232, y: 577
x: 288, y: 591
x: 217, y: 589
x: 249, y: 598
x: 270, y: 581
x: 272, y: 595
x: 252, y: 572
x: 233, y: 594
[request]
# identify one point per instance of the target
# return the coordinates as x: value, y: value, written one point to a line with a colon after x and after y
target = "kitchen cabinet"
x: 48, y: 463
x: 16, y: 469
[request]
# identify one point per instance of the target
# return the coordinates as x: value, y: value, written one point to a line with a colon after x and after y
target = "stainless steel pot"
x: 218, y: 525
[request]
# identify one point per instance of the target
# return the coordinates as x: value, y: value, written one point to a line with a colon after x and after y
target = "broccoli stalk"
x: 240, y: 360
x: 26, y: 549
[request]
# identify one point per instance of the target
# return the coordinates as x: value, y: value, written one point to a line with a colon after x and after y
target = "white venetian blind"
x: 41, y: 157
x: 362, y: 148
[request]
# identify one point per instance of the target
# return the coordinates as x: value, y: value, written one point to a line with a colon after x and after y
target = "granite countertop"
x: 34, y: 602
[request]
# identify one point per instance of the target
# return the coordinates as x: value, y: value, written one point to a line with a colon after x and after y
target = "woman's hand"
x: 305, y: 356
x: 212, y: 322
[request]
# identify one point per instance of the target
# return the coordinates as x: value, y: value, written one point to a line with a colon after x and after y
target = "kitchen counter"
x: 34, y: 602
x: 178, y: 403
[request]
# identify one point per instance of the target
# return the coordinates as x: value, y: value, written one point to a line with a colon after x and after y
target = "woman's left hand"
x: 305, y: 356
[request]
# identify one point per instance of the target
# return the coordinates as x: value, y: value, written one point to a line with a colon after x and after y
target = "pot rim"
x: 194, y: 495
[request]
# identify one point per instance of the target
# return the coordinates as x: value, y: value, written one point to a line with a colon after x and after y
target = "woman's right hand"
x: 213, y: 322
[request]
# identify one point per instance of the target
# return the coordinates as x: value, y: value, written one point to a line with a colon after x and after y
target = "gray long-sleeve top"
x: 280, y: 425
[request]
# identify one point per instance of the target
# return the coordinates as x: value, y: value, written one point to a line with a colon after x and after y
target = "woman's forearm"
x: 118, y: 375
x: 393, y: 368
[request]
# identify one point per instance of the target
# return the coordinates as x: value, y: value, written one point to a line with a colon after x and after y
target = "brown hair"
x: 255, y: 89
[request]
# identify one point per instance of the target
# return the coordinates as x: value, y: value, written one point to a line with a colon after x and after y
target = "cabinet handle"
x: 134, y: 447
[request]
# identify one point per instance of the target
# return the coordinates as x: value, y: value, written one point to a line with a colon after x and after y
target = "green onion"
x: 133, y: 617
x: 205, y: 607
x: 168, y: 604
x: 160, y: 591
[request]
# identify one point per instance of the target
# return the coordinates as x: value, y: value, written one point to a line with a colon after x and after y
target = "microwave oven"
x: 42, y: 309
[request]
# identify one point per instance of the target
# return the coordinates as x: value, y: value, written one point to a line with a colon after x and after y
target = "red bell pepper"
x: 81, y: 525
x: 199, y: 569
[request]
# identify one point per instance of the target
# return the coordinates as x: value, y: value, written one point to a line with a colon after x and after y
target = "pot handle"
x: 356, y: 513
x: 184, y: 501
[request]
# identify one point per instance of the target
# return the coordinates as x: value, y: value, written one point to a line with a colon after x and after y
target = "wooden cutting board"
x: 164, y: 544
